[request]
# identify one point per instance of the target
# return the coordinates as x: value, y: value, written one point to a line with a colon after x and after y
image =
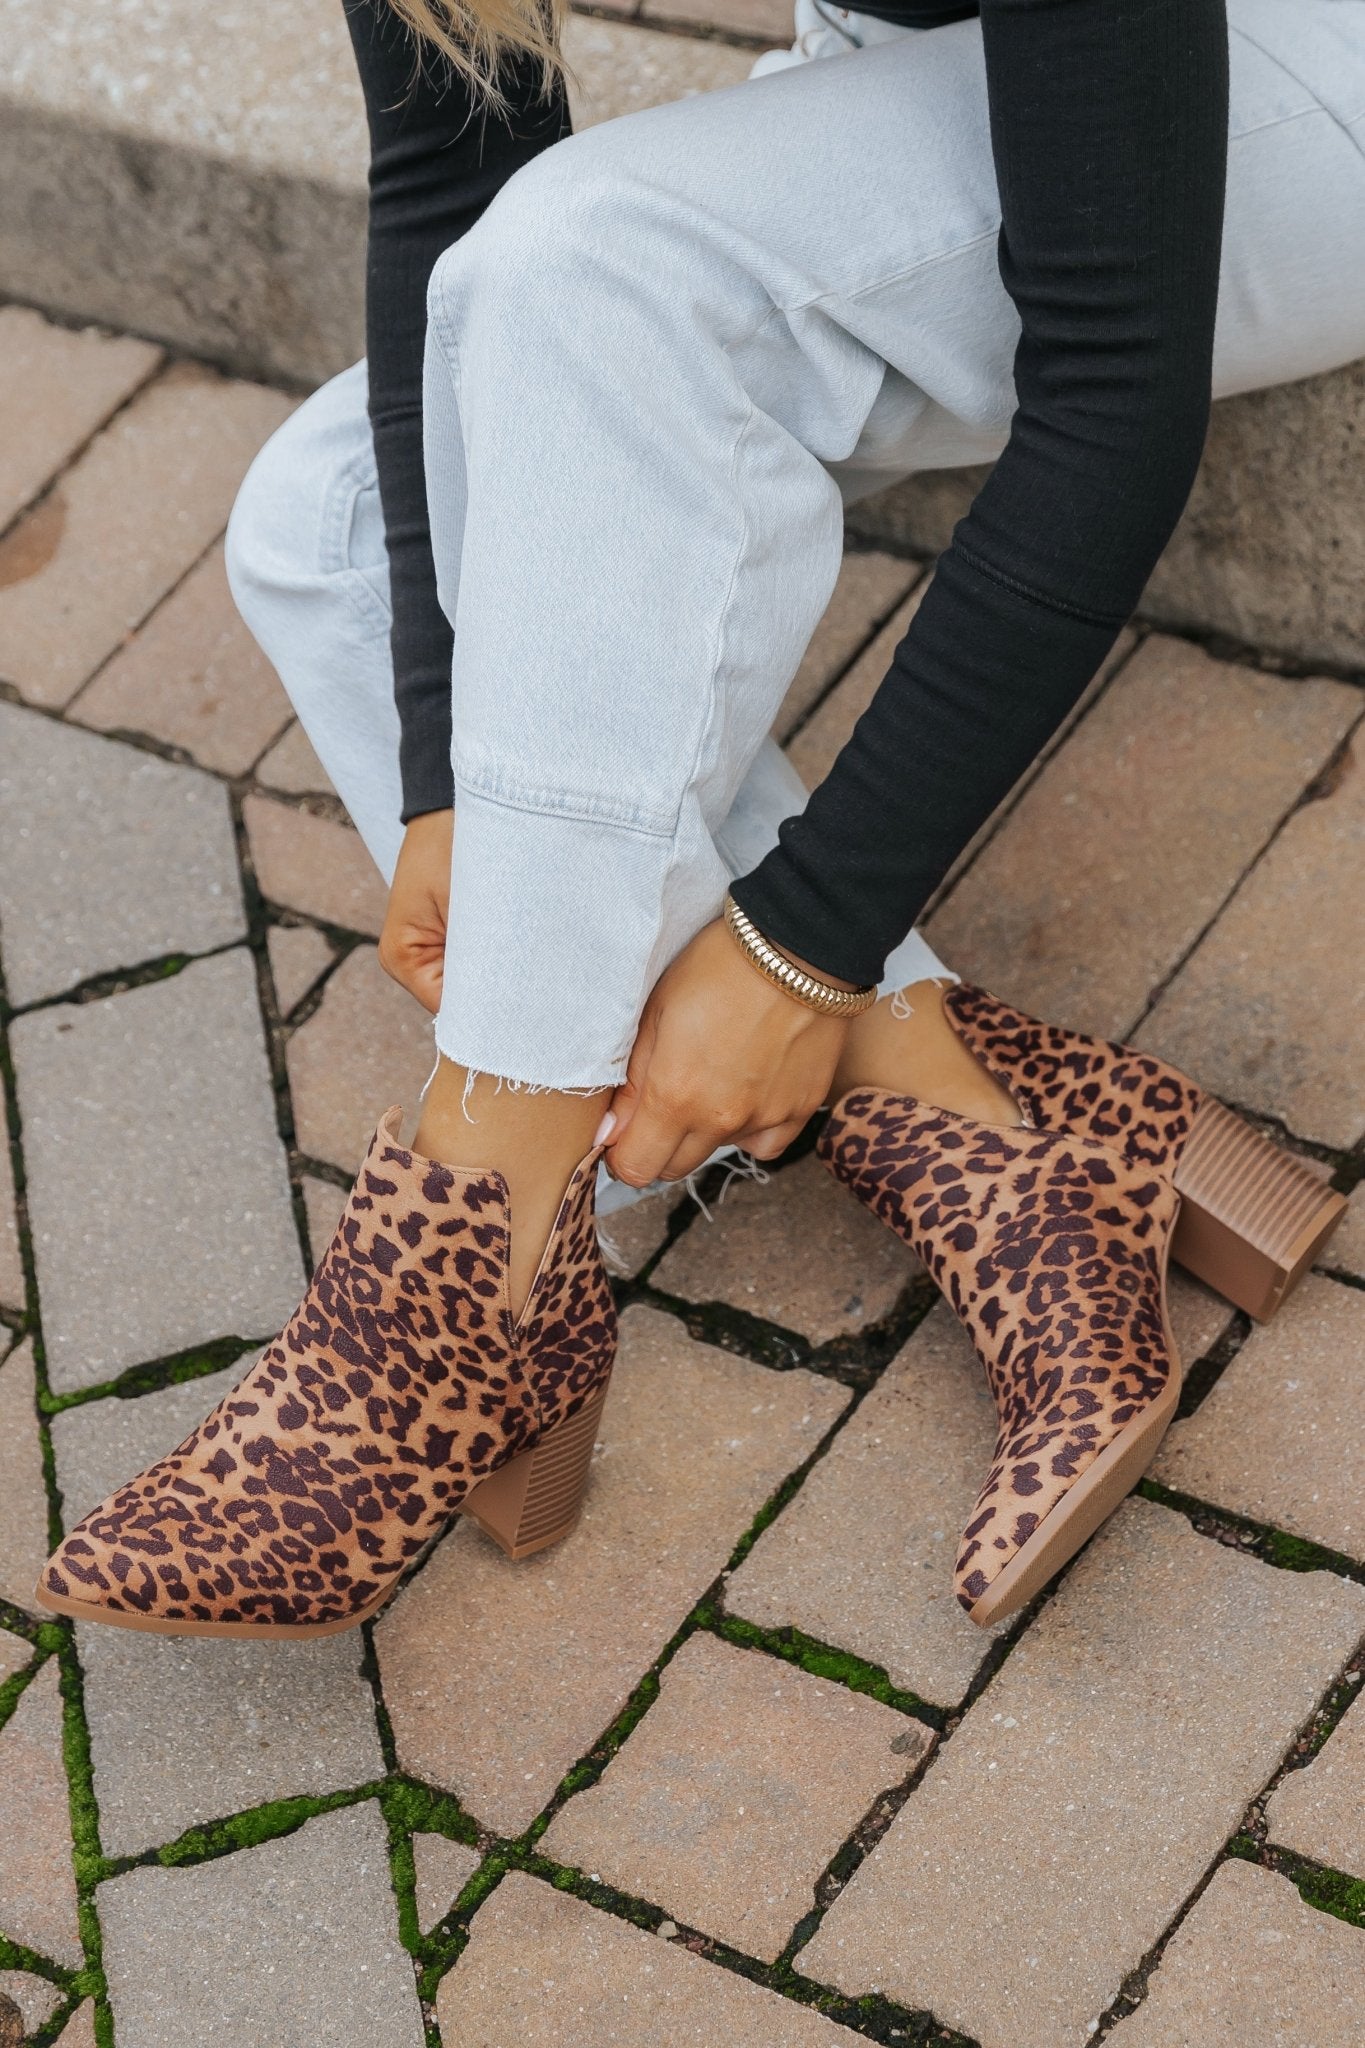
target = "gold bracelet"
x: 786, y: 975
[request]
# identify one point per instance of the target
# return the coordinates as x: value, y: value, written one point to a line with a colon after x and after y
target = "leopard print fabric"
x: 1064, y: 1081
x: 1052, y: 1252
x: 400, y: 1381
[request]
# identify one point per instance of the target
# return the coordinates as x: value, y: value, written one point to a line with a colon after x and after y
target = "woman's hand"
x: 721, y: 1056
x: 413, y: 942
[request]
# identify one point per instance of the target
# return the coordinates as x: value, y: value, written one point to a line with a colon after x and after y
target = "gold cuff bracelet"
x: 786, y: 975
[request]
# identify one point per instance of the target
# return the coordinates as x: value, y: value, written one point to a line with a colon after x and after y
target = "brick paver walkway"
x: 729, y: 1766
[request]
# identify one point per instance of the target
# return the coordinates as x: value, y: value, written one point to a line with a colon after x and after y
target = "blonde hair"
x: 477, y: 37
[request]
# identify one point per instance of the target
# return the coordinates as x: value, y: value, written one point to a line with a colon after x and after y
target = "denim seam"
x: 1346, y: 123
x: 334, y: 557
x: 555, y: 803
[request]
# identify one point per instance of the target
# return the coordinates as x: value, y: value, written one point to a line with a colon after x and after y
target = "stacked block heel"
x: 1252, y: 1217
x: 534, y: 1500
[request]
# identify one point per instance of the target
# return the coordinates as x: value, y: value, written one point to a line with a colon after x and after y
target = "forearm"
x: 1109, y: 121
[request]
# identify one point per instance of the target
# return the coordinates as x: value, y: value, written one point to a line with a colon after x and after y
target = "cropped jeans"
x: 800, y: 274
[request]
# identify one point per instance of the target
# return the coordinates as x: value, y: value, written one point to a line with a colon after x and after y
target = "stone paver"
x: 734, y: 1792
x: 1320, y: 1810
x: 546, y: 1968
x: 11, y: 1260
x: 1252, y: 1963
x: 615, y: 69
x: 293, y: 1942
x: 298, y: 955
x: 186, y: 1729
x: 1345, y: 1252
x: 814, y: 747
x: 79, y: 2031
x: 798, y: 1251
x: 367, y: 1045
x: 1123, y: 848
x: 315, y: 866
x: 37, y: 1884
x: 323, y: 1203
x: 693, y: 1441
x: 23, y: 1495
x: 292, y: 765
x: 108, y: 857
x: 133, y: 513
x: 1089, y: 1787
x: 869, y: 588
x: 15, y: 1653
x: 33, y: 1998
x: 1281, y: 1437
x: 443, y: 1869
x: 157, y: 1186
x: 192, y: 677
x: 183, y: 1730
x: 863, y: 1556
x: 632, y: 1234
x: 1270, y: 1009
x: 61, y: 384
x: 1198, y: 1315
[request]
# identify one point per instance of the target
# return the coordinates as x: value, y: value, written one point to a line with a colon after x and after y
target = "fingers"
x: 770, y: 1143
x: 417, y: 966
x: 639, y: 1153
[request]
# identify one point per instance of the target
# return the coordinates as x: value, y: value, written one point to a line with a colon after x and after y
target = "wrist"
x: 810, y: 986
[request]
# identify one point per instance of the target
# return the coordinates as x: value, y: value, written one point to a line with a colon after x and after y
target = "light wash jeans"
x: 669, y: 353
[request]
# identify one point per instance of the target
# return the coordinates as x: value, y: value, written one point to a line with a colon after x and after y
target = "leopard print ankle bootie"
x: 1052, y: 1251
x: 400, y: 1394
x: 1252, y: 1217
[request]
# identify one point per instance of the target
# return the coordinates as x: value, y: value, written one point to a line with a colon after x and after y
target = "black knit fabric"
x: 1109, y: 129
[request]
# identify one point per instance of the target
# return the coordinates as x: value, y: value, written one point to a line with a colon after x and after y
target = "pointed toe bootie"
x: 1252, y: 1217
x: 1052, y: 1251
x: 400, y: 1394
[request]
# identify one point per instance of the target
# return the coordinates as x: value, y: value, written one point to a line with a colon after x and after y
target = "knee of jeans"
x: 277, y: 534
x: 563, y: 224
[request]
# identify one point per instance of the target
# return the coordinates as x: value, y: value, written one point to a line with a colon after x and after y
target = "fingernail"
x: 605, y: 1128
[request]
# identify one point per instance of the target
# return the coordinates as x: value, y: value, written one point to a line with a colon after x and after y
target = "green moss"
x: 173, y: 1371
x: 259, y: 1824
x: 422, y: 1810
x: 88, y: 1860
x: 822, y: 1661
x: 14, y: 1688
x: 1272, y: 1546
x: 1332, y: 1891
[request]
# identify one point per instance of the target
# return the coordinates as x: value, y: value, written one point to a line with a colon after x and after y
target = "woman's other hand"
x: 413, y: 942
x: 721, y: 1056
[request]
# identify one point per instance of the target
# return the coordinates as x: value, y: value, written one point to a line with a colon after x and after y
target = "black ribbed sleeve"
x: 1109, y: 127
x: 436, y: 162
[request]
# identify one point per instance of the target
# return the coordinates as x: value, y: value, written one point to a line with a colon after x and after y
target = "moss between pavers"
x: 1330, y: 1891
x: 821, y: 1660
x: 174, y: 1370
x: 1255, y: 1539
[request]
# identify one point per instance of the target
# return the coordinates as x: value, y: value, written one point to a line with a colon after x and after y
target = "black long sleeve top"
x: 1109, y: 131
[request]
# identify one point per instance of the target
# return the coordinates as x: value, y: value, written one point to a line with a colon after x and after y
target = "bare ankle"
x: 533, y: 1138
x: 905, y: 1043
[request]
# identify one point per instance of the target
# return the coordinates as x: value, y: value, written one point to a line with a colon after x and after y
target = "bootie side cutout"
x: 1253, y: 1218
x: 400, y: 1392
x: 1052, y: 1251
